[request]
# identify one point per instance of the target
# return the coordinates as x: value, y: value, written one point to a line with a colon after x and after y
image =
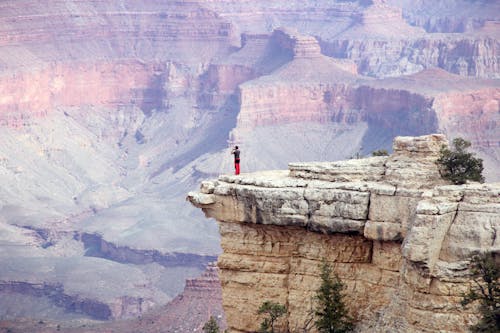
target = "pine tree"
x: 486, y: 289
x: 211, y: 326
x: 331, y: 311
x: 458, y: 165
x: 273, y: 311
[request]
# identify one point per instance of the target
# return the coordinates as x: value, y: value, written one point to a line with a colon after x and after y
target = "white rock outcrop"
x: 394, y: 231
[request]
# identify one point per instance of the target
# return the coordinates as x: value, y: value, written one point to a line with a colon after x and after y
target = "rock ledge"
x: 395, y: 232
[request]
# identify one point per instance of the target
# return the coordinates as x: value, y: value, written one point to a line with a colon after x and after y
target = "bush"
x: 458, y: 166
x: 273, y: 311
x: 211, y: 326
x: 380, y: 152
x: 486, y: 289
x: 331, y: 311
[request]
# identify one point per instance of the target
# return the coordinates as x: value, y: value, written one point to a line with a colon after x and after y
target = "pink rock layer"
x: 108, y: 84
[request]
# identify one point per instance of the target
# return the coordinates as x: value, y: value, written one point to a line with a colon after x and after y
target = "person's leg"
x: 237, y: 166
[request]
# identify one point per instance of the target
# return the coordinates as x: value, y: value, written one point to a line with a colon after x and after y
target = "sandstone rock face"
x: 396, y: 234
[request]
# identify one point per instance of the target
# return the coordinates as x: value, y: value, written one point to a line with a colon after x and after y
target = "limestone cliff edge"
x: 395, y: 232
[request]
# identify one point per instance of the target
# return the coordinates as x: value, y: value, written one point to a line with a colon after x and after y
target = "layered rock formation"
x: 33, y: 36
x: 449, y: 15
x: 383, y: 44
x: 188, y: 312
x: 32, y: 95
x: 79, y: 84
x: 386, y: 38
x: 200, y: 300
x: 474, y: 56
x: 318, y: 89
x: 396, y: 234
x: 111, y: 111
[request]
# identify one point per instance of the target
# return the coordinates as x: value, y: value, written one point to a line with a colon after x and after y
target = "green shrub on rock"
x: 273, y: 311
x: 485, y: 272
x: 458, y: 165
x: 211, y: 326
x: 380, y: 152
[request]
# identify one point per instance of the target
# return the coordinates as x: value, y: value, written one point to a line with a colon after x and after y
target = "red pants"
x: 237, y: 168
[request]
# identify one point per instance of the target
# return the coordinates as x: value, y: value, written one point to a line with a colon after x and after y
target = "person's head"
x: 235, y: 147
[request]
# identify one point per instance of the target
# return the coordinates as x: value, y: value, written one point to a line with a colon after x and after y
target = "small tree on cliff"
x: 486, y: 289
x: 331, y: 311
x: 458, y: 165
x: 211, y: 326
x: 273, y: 311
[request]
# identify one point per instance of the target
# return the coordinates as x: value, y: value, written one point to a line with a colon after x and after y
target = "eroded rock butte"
x: 394, y: 231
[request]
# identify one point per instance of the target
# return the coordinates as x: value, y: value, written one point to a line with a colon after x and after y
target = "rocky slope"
x: 188, y: 312
x: 396, y: 234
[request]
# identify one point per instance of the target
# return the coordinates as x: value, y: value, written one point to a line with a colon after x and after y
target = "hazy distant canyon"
x: 110, y: 112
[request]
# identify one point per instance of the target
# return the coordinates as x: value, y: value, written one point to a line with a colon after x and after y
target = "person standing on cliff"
x: 236, y: 153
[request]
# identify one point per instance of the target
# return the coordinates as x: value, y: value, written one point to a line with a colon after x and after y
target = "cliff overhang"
x: 399, y: 236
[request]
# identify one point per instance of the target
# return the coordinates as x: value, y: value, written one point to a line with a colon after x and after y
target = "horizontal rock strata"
x: 98, y: 247
x: 468, y: 56
x: 396, y: 234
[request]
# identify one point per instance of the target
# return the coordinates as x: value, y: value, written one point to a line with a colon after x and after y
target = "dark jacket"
x: 236, y: 153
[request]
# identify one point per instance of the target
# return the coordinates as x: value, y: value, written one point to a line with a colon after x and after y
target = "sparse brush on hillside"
x: 458, y: 165
x: 486, y: 290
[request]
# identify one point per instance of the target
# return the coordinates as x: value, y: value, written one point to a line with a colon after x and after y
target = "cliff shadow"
x: 154, y: 95
x: 380, y: 134
x: 211, y: 138
x: 390, y: 113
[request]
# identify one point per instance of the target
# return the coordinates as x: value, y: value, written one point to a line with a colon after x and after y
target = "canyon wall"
x: 473, y: 56
x: 33, y: 36
x: 432, y: 100
x: 394, y: 232
x: 470, y: 114
x: 451, y: 15
x: 121, y: 83
x: 333, y: 94
x: 383, y: 44
x: 385, y: 38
